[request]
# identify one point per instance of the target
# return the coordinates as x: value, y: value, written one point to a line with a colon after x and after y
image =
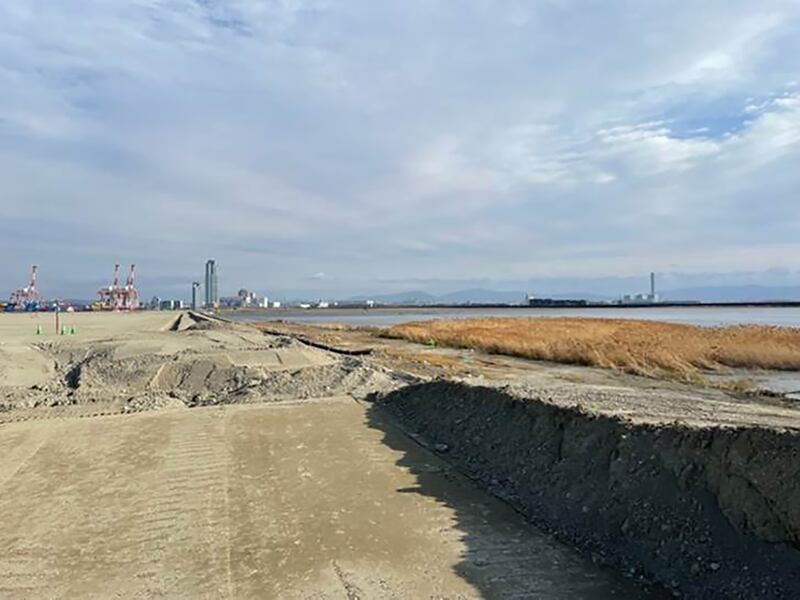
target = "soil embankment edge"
x: 708, y: 512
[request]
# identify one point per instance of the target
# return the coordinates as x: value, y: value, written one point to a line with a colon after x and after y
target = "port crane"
x: 130, y: 295
x: 28, y: 297
x: 108, y: 295
x: 119, y: 298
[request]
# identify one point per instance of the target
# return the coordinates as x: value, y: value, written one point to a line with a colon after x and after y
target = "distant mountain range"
x: 743, y: 293
x: 475, y: 296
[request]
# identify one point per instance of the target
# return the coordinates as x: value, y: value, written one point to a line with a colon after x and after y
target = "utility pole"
x: 195, y: 285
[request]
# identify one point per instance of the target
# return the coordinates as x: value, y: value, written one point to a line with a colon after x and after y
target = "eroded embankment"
x: 711, y: 513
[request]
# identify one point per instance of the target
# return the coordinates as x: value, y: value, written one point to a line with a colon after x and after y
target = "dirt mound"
x: 198, y: 379
x: 100, y: 372
x: 191, y: 321
x: 201, y: 384
x: 711, y: 513
x: 215, y: 363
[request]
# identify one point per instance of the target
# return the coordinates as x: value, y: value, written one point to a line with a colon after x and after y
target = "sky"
x: 340, y: 148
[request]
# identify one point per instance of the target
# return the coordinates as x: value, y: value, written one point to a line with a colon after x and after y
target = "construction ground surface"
x: 171, y: 456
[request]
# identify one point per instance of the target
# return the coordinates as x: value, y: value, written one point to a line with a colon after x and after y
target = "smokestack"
x: 653, y: 285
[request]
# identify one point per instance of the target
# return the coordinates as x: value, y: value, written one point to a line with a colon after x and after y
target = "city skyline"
x: 748, y: 286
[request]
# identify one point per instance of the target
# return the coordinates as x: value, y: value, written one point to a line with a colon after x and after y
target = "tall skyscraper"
x: 212, y: 295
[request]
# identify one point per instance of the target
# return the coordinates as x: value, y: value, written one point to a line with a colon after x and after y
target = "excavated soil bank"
x: 191, y: 361
x: 709, y: 512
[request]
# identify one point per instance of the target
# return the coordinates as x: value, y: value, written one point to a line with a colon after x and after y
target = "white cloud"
x: 652, y: 149
x: 287, y: 137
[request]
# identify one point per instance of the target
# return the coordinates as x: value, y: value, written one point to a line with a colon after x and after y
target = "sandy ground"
x: 261, y: 476
x: 131, y: 362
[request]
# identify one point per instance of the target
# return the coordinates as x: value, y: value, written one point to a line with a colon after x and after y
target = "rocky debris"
x: 151, y: 401
x: 101, y: 372
x: 706, y: 512
x: 197, y: 373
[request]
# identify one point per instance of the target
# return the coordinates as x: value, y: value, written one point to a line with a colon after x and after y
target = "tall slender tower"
x: 212, y: 295
x: 653, y: 286
x: 195, y: 285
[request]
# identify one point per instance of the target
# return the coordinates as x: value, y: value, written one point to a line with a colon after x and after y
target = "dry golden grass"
x: 642, y: 347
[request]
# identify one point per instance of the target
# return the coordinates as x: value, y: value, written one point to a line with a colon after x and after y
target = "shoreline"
x: 501, y: 306
x: 703, y: 315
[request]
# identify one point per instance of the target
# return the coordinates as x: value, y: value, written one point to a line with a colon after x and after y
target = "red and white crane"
x: 129, y: 294
x: 115, y: 297
x: 27, y: 298
x: 108, y: 294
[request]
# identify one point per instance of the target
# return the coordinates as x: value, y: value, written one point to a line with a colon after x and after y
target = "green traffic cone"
x: 38, y: 330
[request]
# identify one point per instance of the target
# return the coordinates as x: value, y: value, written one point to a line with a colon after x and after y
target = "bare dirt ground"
x: 261, y: 475
x: 691, y: 486
x: 131, y: 362
x: 294, y: 501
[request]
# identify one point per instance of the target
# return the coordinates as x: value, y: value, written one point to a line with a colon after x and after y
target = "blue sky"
x: 362, y: 147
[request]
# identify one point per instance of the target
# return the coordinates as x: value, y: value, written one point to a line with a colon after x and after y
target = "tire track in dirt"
x: 185, y: 522
x: 73, y: 411
x: 24, y: 577
x: 27, y: 454
x: 142, y: 513
x: 54, y: 526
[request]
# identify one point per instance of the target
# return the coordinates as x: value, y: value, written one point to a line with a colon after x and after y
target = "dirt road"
x: 259, y: 476
x: 283, y: 501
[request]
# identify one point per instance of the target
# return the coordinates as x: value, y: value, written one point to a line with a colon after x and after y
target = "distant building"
x: 212, y: 289
x: 276, y: 305
x: 195, y: 285
x: 548, y: 302
x: 639, y: 299
x: 171, y: 305
x: 246, y: 298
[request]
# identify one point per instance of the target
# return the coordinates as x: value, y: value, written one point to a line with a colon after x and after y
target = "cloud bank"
x: 388, y: 143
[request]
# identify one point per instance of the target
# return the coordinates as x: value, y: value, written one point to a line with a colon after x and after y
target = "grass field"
x: 641, y: 347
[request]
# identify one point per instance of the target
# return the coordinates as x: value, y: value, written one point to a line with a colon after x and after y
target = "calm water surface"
x: 693, y: 315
